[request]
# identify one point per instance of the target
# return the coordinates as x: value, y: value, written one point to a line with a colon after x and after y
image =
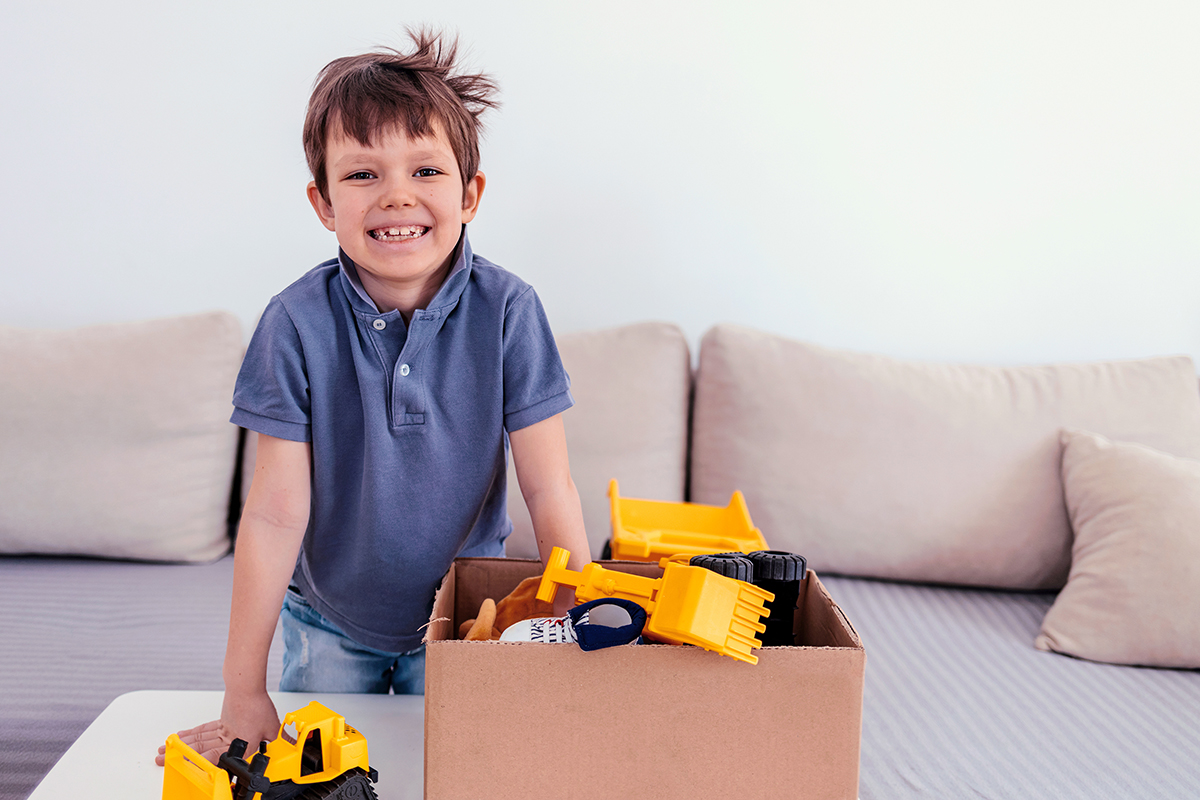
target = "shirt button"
x: 404, y: 370
x: 378, y: 324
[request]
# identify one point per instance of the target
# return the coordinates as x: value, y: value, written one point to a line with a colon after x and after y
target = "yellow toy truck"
x: 326, y: 759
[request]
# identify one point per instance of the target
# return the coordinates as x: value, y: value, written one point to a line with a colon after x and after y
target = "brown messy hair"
x: 362, y: 96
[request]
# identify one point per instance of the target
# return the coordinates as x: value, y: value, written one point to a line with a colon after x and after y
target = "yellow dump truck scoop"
x: 647, y: 530
x: 687, y: 605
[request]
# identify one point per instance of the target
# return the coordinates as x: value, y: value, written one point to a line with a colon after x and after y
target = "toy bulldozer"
x: 327, y: 760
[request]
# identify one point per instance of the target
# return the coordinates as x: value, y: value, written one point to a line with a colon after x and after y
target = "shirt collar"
x: 447, y: 295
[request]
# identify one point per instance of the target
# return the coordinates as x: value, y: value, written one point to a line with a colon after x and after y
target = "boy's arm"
x: 544, y: 474
x: 269, y: 537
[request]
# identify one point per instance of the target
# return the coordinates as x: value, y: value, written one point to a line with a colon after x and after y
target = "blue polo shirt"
x: 408, y: 429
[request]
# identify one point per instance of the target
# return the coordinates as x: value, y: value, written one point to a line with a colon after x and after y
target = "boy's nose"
x: 397, y: 194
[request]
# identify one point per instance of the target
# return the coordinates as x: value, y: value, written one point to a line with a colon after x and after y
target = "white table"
x: 114, y: 758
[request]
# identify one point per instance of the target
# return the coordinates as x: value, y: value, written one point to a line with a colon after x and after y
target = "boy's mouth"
x: 399, y: 233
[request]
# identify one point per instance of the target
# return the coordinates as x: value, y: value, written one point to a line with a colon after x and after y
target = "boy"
x: 384, y: 385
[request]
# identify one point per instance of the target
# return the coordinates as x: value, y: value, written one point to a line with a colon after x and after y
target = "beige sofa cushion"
x: 631, y: 386
x: 1133, y: 596
x: 945, y: 473
x: 116, y: 438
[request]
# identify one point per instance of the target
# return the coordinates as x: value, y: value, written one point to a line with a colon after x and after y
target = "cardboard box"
x: 526, y: 720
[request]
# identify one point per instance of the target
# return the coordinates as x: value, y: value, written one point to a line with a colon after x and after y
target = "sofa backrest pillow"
x: 115, y: 440
x: 945, y: 473
x: 631, y: 386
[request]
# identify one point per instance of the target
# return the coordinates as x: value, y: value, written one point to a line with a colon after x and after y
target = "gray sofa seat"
x: 77, y: 633
x: 959, y: 704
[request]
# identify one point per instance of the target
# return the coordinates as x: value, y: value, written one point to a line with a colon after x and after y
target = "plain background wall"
x: 997, y: 182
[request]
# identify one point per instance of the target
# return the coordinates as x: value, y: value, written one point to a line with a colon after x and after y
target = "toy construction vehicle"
x: 326, y: 759
x: 687, y: 605
x: 647, y: 530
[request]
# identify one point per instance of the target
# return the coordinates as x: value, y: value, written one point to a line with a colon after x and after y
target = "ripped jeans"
x: 318, y: 657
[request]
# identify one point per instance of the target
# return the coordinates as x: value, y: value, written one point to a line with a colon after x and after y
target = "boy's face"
x: 397, y: 208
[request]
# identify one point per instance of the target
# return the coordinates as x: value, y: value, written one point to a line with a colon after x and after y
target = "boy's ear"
x: 471, y: 194
x: 323, y: 209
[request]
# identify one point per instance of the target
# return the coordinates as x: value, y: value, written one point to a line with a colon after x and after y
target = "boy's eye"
x: 427, y: 172
x: 361, y: 175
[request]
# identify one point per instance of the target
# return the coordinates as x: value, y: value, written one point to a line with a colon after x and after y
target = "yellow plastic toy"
x: 687, y: 605
x: 647, y: 530
x: 327, y: 759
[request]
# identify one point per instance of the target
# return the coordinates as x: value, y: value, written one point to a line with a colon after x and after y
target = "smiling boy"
x: 386, y: 386
x: 397, y: 206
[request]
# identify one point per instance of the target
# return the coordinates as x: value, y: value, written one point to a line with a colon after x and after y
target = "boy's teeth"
x: 401, y: 232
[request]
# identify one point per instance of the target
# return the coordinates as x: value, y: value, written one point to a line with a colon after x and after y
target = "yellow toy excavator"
x: 326, y: 759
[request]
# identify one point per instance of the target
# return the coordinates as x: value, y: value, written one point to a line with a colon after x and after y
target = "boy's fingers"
x: 207, y: 732
x: 201, y: 739
x: 205, y: 728
x: 205, y: 745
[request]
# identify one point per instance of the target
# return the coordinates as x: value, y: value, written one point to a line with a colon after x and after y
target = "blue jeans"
x: 319, y: 657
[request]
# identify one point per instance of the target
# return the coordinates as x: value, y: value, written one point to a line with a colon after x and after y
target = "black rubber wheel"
x: 731, y: 565
x: 776, y: 565
x: 353, y: 784
x: 780, y: 574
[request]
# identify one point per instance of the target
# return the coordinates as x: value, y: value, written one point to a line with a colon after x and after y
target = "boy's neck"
x: 406, y: 299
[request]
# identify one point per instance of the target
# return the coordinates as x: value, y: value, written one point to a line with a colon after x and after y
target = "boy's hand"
x: 564, y: 601
x: 252, y: 718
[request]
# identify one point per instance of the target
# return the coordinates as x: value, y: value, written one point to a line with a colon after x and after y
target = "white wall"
x: 1004, y: 182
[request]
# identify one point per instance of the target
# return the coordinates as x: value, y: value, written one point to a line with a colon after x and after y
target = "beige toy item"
x: 482, y: 627
x: 521, y: 604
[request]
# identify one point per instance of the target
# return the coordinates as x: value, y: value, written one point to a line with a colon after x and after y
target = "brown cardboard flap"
x: 481, y: 578
x: 823, y: 622
x: 441, y: 619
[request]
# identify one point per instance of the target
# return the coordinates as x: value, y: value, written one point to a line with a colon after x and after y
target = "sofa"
x: 1017, y: 546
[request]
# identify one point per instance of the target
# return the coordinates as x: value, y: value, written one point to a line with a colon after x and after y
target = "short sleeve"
x: 536, y: 386
x: 272, y: 395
